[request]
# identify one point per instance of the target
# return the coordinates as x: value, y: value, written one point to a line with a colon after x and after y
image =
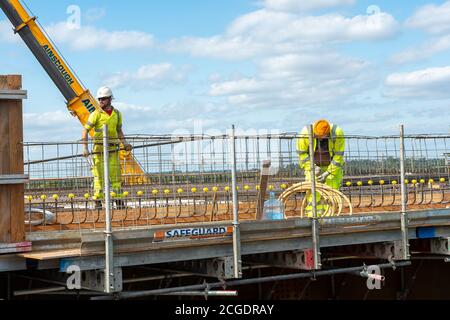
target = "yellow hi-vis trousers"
x: 333, y: 181
x: 114, y: 172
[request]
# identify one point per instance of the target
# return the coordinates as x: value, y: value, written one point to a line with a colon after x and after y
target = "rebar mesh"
x: 188, y: 178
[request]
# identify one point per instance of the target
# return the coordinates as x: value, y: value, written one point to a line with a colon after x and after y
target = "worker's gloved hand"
x: 86, y: 152
x: 128, y: 147
x: 323, y: 177
x: 317, y: 171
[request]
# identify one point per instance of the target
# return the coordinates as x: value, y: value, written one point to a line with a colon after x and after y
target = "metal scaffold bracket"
x: 440, y: 246
x: 13, y: 179
x: 13, y: 94
x: 391, y: 251
x: 94, y: 280
x: 298, y: 260
x: 220, y: 268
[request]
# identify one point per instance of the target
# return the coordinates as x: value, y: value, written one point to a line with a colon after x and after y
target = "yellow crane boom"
x: 80, y: 102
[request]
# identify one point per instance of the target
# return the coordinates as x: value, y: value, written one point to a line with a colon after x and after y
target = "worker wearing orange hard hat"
x: 329, y: 148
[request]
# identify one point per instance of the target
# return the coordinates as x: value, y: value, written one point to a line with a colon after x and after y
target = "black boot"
x: 120, y: 205
x: 98, y: 205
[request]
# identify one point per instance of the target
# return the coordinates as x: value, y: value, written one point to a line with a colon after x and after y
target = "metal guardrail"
x: 189, y: 177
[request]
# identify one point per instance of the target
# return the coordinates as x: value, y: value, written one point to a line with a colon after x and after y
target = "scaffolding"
x: 197, y: 207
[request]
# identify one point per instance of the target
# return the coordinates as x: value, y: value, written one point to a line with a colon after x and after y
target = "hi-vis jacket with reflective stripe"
x: 98, y: 119
x: 336, y: 149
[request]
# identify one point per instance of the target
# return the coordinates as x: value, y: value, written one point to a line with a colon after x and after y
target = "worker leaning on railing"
x: 329, y: 148
x: 111, y: 116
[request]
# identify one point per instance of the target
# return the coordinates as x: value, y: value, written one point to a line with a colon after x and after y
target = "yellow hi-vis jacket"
x: 336, y: 149
x: 98, y: 119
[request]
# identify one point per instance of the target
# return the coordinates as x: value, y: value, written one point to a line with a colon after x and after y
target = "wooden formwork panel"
x: 11, y: 163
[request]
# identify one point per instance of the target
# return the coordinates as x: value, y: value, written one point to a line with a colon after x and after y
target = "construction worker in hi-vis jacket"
x: 111, y: 116
x: 329, y: 148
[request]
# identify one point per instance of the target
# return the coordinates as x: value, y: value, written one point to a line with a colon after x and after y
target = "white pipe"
x: 50, y: 217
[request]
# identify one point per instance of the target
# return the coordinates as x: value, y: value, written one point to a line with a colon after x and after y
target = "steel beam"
x: 391, y: 251
x: 299, y: 260
x: 224, y: 250
x: 12, y: 263
x: 220, y: 268
x: 140, y: 294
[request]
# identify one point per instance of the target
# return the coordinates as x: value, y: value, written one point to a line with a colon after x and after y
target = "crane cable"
x: 332, y: 199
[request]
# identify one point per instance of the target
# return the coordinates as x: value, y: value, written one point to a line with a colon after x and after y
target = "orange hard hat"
x: 322, y: 128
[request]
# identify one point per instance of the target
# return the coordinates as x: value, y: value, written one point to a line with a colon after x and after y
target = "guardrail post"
x: 109, y: 246
x: 315, y: 222
x: 263, y: 180
x: 236, y: 231
x: 404, y: 214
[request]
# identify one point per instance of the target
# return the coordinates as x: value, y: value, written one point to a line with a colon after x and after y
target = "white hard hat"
x: 104, y: 92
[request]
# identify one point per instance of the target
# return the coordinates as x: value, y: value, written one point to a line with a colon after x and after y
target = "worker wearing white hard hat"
x: 104, y: 92
x: 113, y: 118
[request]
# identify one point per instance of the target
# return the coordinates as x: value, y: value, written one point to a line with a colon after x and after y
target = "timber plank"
x: 17, y: 217
x: 16, y: 138
x: 49, y: 255
x: 10, y: 82
x: 16, y: 167
x: 12, y: 227
x: 4, y: 134
x: 5, y: 218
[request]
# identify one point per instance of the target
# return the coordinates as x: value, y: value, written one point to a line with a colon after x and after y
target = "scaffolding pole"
x: 236, y: 231
x: 315, y: 222
x: 109, y: 246
x: 404, y: 216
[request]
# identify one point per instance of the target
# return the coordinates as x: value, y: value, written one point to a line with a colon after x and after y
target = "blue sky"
x: 271, y: 65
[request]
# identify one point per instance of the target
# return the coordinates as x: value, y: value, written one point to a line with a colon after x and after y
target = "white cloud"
x: 126, y: 107
x: 265, y: 32
x: 432, y: 83
x: 302, y: 5
x: 47, y: 118
x: 154, y: 76
x: 296, y: 79
x: 60, y: 124
x: 95, y: 14
x: 237, y: 87
x: 143, y: 119
x: 431, y: 18
x: 88, y: 38
x: 321, y: 65
x: 434, y: 19
x: 217, y: 47
x: 424, y: 51
x: 282, y: 26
